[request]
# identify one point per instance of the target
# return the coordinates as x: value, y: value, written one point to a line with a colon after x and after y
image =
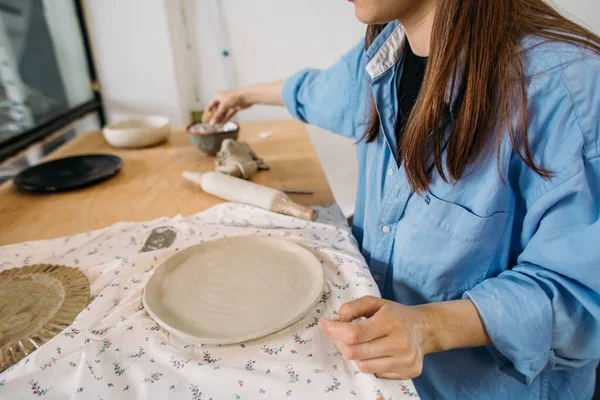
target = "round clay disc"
x: 37, y: 302
x: 234, y: 289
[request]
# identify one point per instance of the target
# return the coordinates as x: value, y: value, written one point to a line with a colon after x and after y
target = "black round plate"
x: 68, y: 173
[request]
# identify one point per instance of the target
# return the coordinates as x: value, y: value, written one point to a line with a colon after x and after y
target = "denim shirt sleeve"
x: 332, y: 99
x: 544, y: 313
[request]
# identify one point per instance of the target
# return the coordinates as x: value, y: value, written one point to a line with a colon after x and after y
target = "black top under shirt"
x: 410, y: 85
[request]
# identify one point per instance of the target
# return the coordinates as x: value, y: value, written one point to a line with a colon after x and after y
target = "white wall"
x: 586, y: 12
x: 134, y: 58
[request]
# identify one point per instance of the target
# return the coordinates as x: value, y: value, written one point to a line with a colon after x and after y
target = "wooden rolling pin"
x: 241, y: 191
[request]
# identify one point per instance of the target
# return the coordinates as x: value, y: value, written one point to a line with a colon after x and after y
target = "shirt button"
x: 377, y: 277
x: 390, y: 172
x: 386, y: 229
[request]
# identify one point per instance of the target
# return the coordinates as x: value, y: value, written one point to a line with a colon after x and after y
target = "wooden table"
x: 150, y: 185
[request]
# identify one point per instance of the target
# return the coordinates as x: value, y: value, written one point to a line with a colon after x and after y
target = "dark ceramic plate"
x: 68, y: 173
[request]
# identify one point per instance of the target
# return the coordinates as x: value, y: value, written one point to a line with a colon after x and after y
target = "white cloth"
x: 114, y: 350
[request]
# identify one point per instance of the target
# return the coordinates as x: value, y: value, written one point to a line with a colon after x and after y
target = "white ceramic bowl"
x: 140, y: 132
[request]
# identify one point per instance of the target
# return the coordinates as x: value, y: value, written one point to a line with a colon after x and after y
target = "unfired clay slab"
x: 233, y: 290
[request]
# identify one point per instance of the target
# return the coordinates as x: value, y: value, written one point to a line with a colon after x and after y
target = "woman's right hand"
x: 225, y: 105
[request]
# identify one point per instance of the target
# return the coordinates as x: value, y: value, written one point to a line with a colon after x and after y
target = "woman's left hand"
x: 390, y: 343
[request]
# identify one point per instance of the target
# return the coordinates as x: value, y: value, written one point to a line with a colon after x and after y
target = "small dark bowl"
x: 207, y: 139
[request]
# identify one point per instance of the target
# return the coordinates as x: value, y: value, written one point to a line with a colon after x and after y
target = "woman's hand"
x: 225, y: 105
x: 390, y: 343
x: 393, y: 339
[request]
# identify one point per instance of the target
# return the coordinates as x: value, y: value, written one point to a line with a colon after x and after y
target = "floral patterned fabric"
x: 114, y: 350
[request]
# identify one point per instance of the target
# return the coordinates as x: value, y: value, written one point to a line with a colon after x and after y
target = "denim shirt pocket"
x: 444, y: 248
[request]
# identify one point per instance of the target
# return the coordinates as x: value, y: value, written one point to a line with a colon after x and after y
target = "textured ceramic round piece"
x: 208, y: 139
x: 142, y: 132
x: 68, y: 173
x: 36, y: 303
x: 232, y: 290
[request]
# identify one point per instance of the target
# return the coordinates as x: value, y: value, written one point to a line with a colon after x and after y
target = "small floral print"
x: 106, y: 343
x: 309, y: 355
x: 72, y: 332
x: 79, y: 390
x: 262, y: 391
x: 325, y: 296
x: 140, y: 308
x: 196, y: 393
x: 110, y: 385
x: 48, y: 364
x: 154, y: 327
x: 335, y: 367
x: 129, y: 328
x: 116, y: 303
x: 178, y: 364
x: 118, y: 370
x: 86, y: 341
x: 126, y: 388
x: 249, y: 365
x: 146, y: 338
x: 313, y: 324
x: 293, y: 377
x: 272, y: 351
x: 334, y: 386
x: 72, y: 364
x: 162, y: 343
x: 308, y: 381
x: 243, y: 346
x: 353, y: 393
x: 91, y: 369
x: 58, y: 350
x: 340, y: 287
x: 298, y: 339
x: 293, y: 351
x: 153, y: 378
x: 406, y: 391
x: 268, y: 371
x: 99, y: 332
x: 360, y: 274
x: 241, y: 383
x: 37, y: 390
x: 140, y: 353
x: 338, y: 261
x: 207, y: 358
x: 152, y: 360
x: 288, y: 393
x: 186, y: 346
x: 172, y: 387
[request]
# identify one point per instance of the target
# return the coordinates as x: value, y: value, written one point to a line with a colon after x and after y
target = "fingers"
x: 212, y: 105
x: 230, y: 113
x: 366, y: 307
x: 390, y: 368
x: 219, y: 114
x: 365, y: 351
x: 355, y: 332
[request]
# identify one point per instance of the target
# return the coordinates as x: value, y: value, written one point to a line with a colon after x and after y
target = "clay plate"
x: 232, y: 290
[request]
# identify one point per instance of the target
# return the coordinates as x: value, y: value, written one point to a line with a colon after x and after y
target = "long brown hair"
x: 483, y: 40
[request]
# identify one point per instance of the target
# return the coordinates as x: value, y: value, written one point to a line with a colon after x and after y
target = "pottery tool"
x: 241, y: 191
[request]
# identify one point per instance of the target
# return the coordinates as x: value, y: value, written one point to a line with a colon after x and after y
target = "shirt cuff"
x: 517, y: 315
x: 289, y: 93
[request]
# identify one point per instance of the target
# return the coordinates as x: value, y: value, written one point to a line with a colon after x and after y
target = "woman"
x: 479, y: 193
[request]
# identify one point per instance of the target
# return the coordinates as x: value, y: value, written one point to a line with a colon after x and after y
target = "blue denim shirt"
x: 525, y: 250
